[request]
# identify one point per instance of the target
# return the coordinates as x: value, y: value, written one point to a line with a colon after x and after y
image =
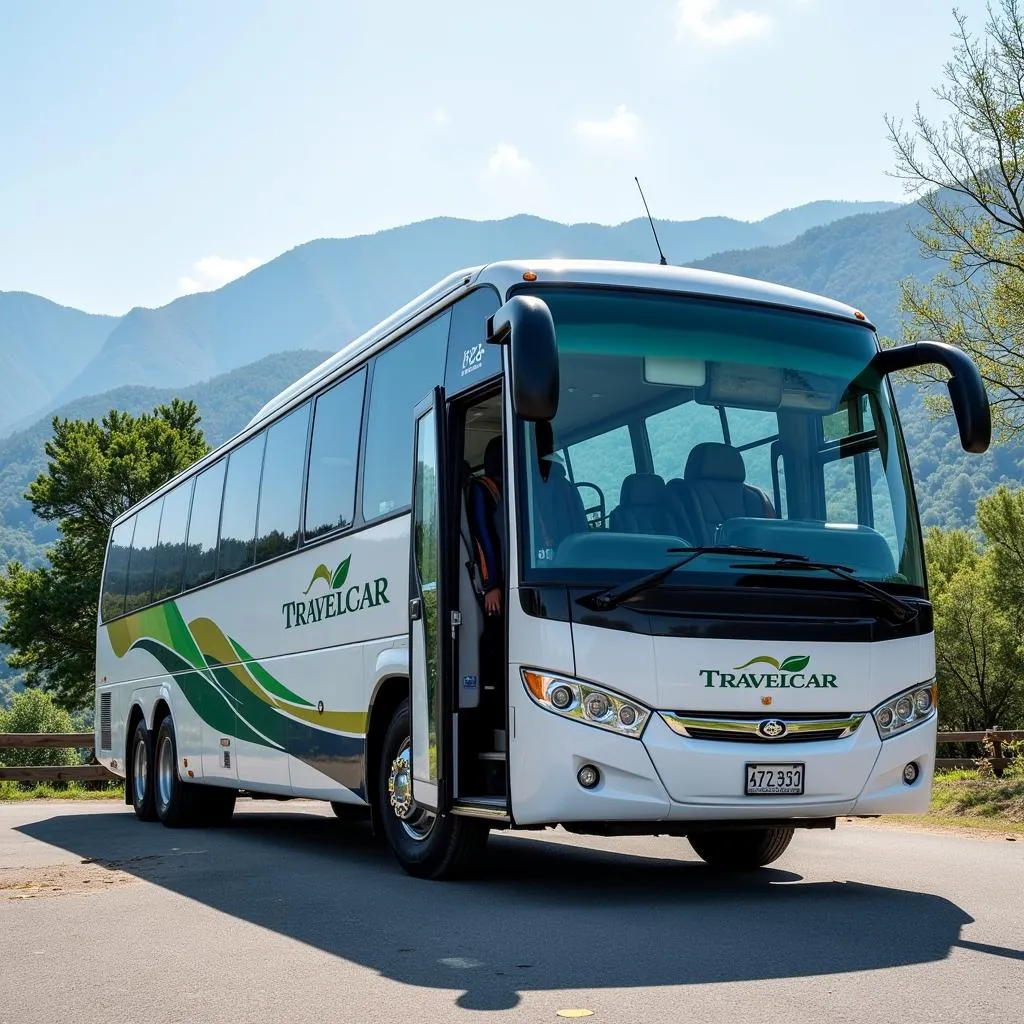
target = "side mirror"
x: 966, y: 389
x: 525, y: 323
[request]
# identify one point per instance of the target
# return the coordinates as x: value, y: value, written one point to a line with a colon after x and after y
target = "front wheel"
x: 427, y: 845
x: 741, y: 850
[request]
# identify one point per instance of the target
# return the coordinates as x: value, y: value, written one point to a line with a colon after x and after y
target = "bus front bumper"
x: 667, y: 777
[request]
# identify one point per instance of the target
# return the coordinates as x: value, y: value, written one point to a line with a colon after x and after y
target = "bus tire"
x: 741, y: 850
x: 142, y: 773
x: 178, y: 804
x: 425, y: 845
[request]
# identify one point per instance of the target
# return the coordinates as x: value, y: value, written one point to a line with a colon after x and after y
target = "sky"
x: 152, y: 150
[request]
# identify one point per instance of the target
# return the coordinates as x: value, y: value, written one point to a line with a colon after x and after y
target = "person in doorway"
x: 486, y: 515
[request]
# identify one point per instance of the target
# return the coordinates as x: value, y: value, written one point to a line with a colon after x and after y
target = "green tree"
x: 35, y: 711
x: 95, y: 472
x: 970, y: 168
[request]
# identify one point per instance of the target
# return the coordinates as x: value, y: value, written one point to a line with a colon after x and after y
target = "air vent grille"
x: 227, y: 758
x: 106, y: 742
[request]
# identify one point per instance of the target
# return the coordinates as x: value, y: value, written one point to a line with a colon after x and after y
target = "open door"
x: 430, y: 618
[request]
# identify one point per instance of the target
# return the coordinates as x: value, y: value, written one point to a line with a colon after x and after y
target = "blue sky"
x: 153, y: 149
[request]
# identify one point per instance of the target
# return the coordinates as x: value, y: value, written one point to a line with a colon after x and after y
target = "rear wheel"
x: 142, y: 773
x: 427, y: 845
x: 181, y: 804
x: 741, y: 850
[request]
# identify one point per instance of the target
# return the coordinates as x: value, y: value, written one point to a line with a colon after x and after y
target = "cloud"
x: 507, y: 161
x: 700, y: 20
x: 620, y: 127
x: 439, y: 117
x: 214, y: 272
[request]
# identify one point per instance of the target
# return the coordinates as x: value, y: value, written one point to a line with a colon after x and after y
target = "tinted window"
x: 143, y: 558
x: 604, y: 462
x: 237, y: 548
x: 403, y: 376
x: 170, y: 549
x: 470, y: 358
x: 115, y: 578
x: 201, y: 558
x: 331, y: 489
x: 277, y: 529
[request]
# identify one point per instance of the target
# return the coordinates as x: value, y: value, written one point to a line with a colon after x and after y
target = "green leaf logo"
x: 795, y: 663
x: 320, y: 573
x: 340, y: 574
x: 762, y: 660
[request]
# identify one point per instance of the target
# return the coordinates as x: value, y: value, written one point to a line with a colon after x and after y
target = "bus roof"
x: 507, y: 273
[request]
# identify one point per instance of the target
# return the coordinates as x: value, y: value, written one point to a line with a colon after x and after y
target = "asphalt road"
x: 290, y: 916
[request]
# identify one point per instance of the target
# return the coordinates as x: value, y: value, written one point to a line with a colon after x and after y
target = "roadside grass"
x: 12, y: 791
x: 967, y: 799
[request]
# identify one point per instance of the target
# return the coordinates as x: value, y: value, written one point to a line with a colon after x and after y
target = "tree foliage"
x: 36, y: 711
x: 970, y: 168
x: 978, y: 596
x: 95, y: 471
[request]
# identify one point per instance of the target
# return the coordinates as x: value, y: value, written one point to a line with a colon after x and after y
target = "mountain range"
x: 232, y: 349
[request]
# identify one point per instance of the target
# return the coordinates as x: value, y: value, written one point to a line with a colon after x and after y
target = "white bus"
x: 698, y: 607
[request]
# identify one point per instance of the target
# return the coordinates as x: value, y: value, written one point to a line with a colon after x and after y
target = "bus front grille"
x: 762, y: 729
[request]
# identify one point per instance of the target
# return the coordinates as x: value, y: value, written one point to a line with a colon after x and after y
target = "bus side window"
x: 331, y: 487
x: 170, y: 549
x: 201, y: 556
x: 403, y: 375
x: 142, y: 563
x: 237, y: 546
x: 115, y: 577
x: 277, y: 528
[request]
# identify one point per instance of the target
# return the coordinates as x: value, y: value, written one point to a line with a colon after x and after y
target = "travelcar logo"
x: 789, y: 674
x: 342, y: 599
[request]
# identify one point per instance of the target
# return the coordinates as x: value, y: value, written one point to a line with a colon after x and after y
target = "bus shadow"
x: 539, y: 915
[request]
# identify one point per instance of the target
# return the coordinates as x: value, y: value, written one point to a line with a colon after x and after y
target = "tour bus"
x: 703, y: 612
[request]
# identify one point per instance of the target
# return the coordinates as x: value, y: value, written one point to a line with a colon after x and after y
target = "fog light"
x: 627, y: 715
x: 588, y: 776
x: 910, y: 773
x: 560, y: 697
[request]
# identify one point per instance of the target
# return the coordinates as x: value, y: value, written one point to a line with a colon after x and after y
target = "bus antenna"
x: 662, y: 261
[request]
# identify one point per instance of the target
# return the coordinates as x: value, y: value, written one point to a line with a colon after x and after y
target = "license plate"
x: 775, y: 780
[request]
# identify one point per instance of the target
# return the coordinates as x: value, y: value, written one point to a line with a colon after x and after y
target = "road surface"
x: 291, y: 916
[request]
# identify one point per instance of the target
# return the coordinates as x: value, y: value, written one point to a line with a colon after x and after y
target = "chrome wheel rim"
x: 416, y: 821
x: 140, y: 772
x: 165, y: 770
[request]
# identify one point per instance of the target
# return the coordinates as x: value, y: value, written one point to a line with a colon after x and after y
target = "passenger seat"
x: 644, y: 507
x: 713, y: 489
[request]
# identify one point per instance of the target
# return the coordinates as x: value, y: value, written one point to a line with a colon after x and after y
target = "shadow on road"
x: 540, y: 915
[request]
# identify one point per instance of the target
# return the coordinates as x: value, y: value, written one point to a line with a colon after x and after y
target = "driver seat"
x: 714, y: 489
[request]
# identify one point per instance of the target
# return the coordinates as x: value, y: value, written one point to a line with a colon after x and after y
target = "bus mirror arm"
x: 524, y: 323
x: 966, y: 388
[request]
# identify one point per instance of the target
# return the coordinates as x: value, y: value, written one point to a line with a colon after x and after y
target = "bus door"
x: 430, y: 616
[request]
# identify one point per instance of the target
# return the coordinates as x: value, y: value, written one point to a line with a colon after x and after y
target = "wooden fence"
x: 94, y: 772
x: 997, y: 737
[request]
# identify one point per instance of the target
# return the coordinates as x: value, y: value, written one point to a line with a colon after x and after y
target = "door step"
x: 492, y: 755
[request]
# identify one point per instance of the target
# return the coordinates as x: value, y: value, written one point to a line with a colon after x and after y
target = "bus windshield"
x: 689, y: 422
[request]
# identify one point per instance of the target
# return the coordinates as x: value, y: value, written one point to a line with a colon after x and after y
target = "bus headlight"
x: 586, y: 703
x: 905, y: 710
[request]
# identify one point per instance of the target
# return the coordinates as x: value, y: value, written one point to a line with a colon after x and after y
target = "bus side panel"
x: 273, y: 660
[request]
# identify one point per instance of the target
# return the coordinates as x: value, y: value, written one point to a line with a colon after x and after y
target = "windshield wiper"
x: 903, y: 611
x: 611, y: 597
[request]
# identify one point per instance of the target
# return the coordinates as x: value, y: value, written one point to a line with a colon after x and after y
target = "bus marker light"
x: 529, y: 275
x: 588, y: 776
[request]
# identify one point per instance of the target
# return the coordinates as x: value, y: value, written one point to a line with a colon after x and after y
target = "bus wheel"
x: 426, y: 845
x: 741, y: 850
x: 176, y: 801
x: 142, y: 773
